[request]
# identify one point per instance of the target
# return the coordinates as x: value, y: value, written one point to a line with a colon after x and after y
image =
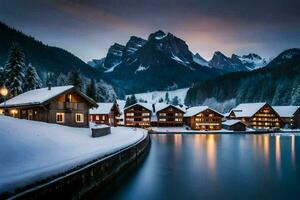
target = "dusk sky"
x: 88, y: 28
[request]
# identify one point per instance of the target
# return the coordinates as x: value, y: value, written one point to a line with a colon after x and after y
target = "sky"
x: 87, y: 28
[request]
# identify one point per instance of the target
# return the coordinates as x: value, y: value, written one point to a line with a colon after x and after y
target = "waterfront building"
x: 234, y: 125
x: 138, y: 115
x: 287, y: 114
x: 167, y: 115
x: 106, y: 113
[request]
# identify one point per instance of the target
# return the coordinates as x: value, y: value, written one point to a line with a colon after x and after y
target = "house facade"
x: 106, y: 113
x: 296, y: 120
x: 234, y: 125
x: 288, y: 115
x: 259, y: 116
x: 138, y: 115
x: 63, y: 105
x: 168, y: 115
x: 203, y: 118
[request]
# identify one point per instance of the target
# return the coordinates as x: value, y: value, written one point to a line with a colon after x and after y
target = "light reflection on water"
x: 216, y: 166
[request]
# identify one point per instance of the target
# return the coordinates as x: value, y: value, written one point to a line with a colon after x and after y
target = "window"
x: 162, y: 114
x: 79, y: 118
x: 69, y: 98
x: 163, y: 120
x: 145, y: 119
x: 97, y: 118
x: 60, y: 117
x: 145, y: 114
x: 129, y: 114
x: 103, y: 117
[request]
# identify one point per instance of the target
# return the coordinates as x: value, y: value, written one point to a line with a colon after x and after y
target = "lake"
x: 212, y: 166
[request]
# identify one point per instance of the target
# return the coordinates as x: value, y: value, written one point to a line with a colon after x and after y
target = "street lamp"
x: 4, y: 93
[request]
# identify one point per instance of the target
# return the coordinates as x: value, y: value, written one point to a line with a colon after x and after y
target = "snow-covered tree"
x: 91, y: 90
x: 61, y: 80
x: 175, y: 101
x: 127, y: 103
x: 105, y: 92
x: 74, y: 78
x: 14, y: 70
x: 32, y: 79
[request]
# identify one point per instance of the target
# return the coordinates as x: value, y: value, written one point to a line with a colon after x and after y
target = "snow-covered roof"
x: 161, y: 106
x: 286, y: 111
x: 247, y: 109
x: 231, y: 122
x: 145, y: 105
x: 37, y: 96
x: 103, y: 108
x: 197, y: 109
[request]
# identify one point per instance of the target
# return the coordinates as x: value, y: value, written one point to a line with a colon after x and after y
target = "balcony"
x: 70, y: 106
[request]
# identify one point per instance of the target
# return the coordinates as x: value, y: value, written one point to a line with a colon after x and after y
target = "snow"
x: 200, y: 61
x: 103, y: 108
x: 286, y: 111
x: 161, y: 106
x: 231, y: 122
x: 141, y: 68
x: 155, y: 96
x: 247, y: 109
x: 196, y: 110
x: 31, y: 151
x: 37, y: 96
x: 145, y: 105
x: 112, y: 68
x: 256, y: 62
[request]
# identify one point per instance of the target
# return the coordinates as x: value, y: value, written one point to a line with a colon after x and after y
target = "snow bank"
x: 31, y: 151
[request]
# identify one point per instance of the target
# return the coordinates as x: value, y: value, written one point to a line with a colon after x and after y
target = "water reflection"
x: 293, y: 151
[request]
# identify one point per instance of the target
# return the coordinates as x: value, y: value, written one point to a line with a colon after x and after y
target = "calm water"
x: 215, y: 167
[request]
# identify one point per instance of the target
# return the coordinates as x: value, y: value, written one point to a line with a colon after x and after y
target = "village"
x: 65, y: 105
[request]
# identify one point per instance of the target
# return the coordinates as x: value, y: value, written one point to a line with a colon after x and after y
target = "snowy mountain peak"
x: 199, y: 60
x: 157, y: 35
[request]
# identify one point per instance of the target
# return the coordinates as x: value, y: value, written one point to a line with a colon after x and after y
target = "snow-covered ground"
x: 155, y: 96
x: 31, y: 151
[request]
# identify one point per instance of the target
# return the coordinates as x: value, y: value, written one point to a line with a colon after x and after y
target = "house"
x: 106, y: 113
x: 62, y: 105
x: 287, y: 114
x: 167, y: 115
x: 257, y: 116
x: 138, y: 115
x: 234, y: 125
x: 296, y: 119
x: 203, y: 118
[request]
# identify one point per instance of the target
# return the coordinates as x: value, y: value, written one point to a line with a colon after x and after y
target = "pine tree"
x: 14, y: 70
x: 128, y: 102
x: 175, y: 101
x: 160, y: 100
x: 1, y: 76
x: 74, y: 79
x: 32, y: 79
x: 49, y: 79
x: 133, y: 99
x: 91, y: 90
x: 61, y: 80
x: 167, y: 99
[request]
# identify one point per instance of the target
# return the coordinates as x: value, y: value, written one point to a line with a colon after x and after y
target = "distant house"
x: 167, y: 115
x: 257, y: 116
x: 288, y: 114
x: 296, y: 119
x: 106, y: 113
x: 203, y: 118
x: 234, y: 125
x: 138, y: 115
x: 62, y: 105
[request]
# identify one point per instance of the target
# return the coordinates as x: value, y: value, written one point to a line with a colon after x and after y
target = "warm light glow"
x: 4, y: 91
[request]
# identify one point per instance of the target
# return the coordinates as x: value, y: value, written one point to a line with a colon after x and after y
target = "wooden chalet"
x: 296, y: 120
x: 61, y: 105
x: 287, y: 114
x: 234, y: 125
x: 167, y: 115
x: 259, y: 116
x: 106, y: 113
x: 138, y: 115
x: 203, y: 118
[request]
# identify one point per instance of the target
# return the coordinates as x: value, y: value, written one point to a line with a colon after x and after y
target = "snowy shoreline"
x: 32, y: 151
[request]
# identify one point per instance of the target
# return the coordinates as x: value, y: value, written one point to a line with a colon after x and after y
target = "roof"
x: 198, y: 109
x: 103, y: 108
x: 145, y: 105
x: 286, y: 111
x: 247, y: 109
x: 161, y: 106
x: 231, y: 122
x: 40, y: 96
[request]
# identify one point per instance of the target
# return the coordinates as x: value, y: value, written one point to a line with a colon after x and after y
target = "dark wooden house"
x: 203, y: 118
x: 138, y: 115
x: 296, y: 120
x: 287, y: 115
x: 259, y: 116
x: 167, y: 115
x: 106, y: 113
x: 61, y: 105
x: 234, y: 125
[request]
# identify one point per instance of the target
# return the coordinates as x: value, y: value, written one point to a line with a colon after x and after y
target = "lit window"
x: 79, y: 118
x: 145, y: 114
x: 129, y: 114
x: 97, y: 117
x: 60, y: 117
x: 163, y: 120
x: 103, y: 117
x: 178, y: 119
x: 162, y: 114
x: 146, y: 119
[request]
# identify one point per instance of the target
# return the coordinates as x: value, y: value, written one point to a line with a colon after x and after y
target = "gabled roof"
x: 231, y: 122
x: 161, y: 106
x: 247, y: 109
x: 286, y: 111
x: 103, y: 108
x: 198, y: 109
x: 41, y: 96
x: 148, y: 106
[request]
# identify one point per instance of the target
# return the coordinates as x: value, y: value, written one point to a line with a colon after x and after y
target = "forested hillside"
x: 278, y: 83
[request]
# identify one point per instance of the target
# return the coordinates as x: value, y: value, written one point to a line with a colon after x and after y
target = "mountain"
x: 45, y: 58
x: 199, y: 60
x: 236, y: 63
x: 162, y: 62
x: 278, y: 83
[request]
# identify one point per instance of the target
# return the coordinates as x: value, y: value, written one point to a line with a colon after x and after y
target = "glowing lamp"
x: 4, y: 91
